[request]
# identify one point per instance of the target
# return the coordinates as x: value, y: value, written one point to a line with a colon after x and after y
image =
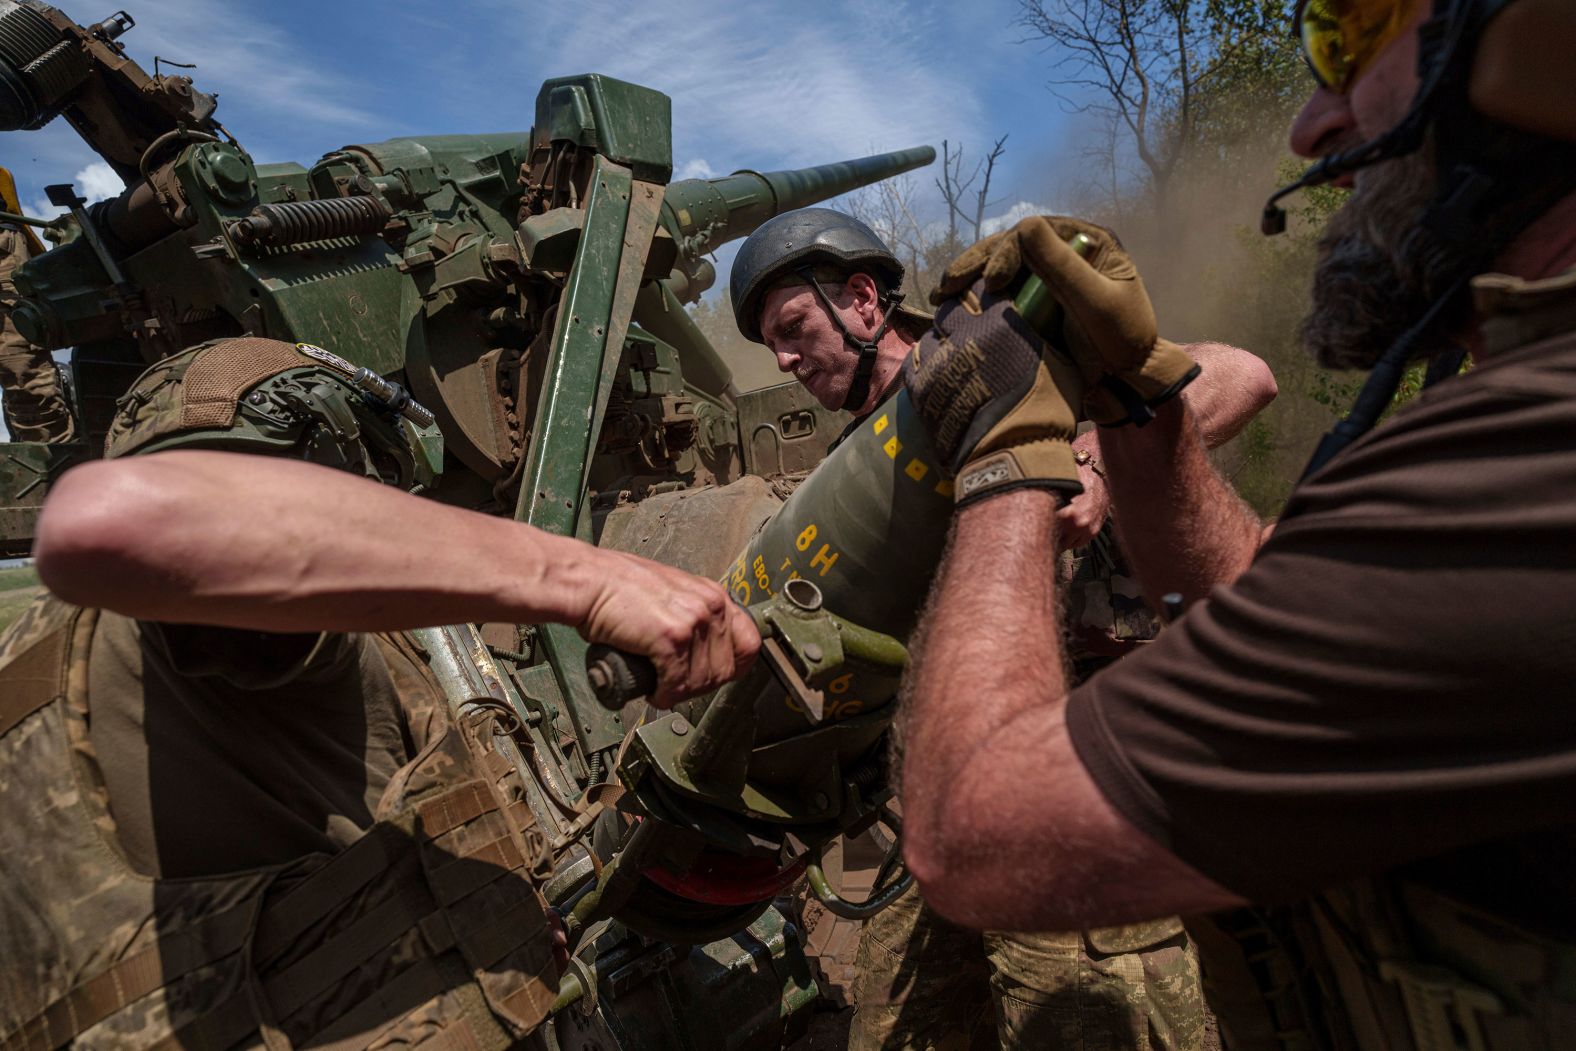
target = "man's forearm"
x: 1183, y: 528
x: 993, y: 624
x: 1003, y: 826
x: 1231, y: 389
x: 186, y: 537
x: 988, y: 650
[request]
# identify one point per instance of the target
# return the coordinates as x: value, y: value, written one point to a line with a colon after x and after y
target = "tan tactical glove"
x: 1108, y: 326
x: 998, y: 409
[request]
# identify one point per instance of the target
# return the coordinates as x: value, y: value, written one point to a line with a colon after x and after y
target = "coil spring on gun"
x: 297, y: 222
x: 869, y: 771
x: 24, y: 36
x: 38, y: 66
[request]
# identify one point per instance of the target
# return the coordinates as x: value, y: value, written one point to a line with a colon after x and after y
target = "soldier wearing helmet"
x: 1350, y: 762
x: 824, y: 293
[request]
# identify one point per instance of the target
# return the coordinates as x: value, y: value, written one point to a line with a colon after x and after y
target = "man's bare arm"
x: 1183, y: 528
x: 1232, y: 389
x: 1002, y: 825
x: 280, y: 545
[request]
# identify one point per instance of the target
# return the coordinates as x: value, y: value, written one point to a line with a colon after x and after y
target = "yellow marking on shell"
x: 916, y: 470
x: 880, y: 424
x: 944, y: 488
x: 893, y: 447
x: 826, y: 558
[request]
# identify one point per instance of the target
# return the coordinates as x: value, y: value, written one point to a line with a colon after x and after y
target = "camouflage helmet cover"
x: 269, y: 397
x: 805, y: 238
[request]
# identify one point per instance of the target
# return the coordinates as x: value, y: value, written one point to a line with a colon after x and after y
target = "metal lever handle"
x: 617, y: 677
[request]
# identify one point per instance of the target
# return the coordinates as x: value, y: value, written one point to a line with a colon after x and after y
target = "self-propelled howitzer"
x: 527, y: 289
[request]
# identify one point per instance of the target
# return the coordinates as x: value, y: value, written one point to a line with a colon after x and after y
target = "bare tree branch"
x: 990, y: 167
x: 1137, y: 57
x: 1144, y: 65
x: 953, y: 186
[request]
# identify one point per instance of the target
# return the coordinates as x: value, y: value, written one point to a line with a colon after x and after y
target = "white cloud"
x: 1020, y: 210
x: 768, y: 85
x: 95, y: 182
x: 694, y: 169
x: 244, y: 53
x: 98, y: 181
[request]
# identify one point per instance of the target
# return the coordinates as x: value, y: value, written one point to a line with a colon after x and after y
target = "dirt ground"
x: 832, y: 944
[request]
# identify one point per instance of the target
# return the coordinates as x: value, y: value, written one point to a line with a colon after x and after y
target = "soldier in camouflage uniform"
x: 218, y: 829
x: 924, y: 982
x: 816, y: 287
x: 35, y: 409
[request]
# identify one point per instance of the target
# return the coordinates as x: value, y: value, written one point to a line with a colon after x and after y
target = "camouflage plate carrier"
x: 428, y: 930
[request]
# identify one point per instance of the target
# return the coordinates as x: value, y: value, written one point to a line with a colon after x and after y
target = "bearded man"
x: 1351, y: 760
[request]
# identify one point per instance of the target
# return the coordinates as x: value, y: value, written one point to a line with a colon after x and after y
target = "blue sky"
x: 758, y: 85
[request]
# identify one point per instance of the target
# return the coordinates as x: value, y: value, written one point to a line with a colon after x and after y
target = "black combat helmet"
x: 800, y: 244
x: 795, y: 241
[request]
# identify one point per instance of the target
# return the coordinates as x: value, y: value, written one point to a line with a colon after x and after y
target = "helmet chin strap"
x: 865, y: 368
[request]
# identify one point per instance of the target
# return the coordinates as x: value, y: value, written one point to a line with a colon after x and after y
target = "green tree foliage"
x: 1218, y: 83
x: 1164, y: 76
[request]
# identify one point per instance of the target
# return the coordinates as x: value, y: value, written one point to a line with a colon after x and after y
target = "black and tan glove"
x: 1108, y: 325
x: 997, y: 407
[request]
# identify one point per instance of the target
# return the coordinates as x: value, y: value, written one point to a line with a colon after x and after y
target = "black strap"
x: 1138, y: 411
x: 1382, y: 383
x: 864, y: 370
x: 172, y: 956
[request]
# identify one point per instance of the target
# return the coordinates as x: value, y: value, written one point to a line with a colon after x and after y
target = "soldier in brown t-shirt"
x: 1361, y: 725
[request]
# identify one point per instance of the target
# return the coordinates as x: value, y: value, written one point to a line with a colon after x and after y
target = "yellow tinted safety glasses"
x: 1341, y: 37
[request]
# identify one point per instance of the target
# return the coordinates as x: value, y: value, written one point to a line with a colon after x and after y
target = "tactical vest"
x: 1389, y: 963
x: 1386, y: 964
x: 428, y: 930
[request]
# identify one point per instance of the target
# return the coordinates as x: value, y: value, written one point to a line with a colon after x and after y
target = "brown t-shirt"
x: 224, y: 750
x: 1393, y: 680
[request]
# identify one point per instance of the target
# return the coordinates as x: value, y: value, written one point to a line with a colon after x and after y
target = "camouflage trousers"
x: 35, y: 409
x: 929, y: 985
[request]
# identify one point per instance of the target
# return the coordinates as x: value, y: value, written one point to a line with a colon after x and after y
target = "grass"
x: 18, y: 577
x: 18, y: 587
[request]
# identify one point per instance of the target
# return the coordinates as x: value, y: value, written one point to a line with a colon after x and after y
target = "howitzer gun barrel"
x: 702, y: 214
x: 25, y: 220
